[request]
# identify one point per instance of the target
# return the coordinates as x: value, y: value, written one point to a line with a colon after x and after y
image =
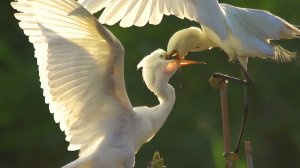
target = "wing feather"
x: 80, y: 68
x: 256, y: 28
x: 156, y: 16
x: 144, y: 14
x: 271, y: 27
x: 207, y: 12
x: 94, y: 6
x: 128, y: 20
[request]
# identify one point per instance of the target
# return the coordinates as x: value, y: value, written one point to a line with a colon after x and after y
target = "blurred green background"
x: 192, y: 135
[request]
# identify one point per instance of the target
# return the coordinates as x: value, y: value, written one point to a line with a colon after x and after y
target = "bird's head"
x: 186, y: 40
x: 158, y: 68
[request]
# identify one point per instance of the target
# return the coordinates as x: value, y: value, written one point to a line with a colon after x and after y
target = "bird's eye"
x: 173, y: 55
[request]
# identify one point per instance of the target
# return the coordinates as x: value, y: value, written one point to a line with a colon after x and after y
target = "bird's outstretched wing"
x: 258, y: 23
x: 80, y: 68
x: 138, y: 12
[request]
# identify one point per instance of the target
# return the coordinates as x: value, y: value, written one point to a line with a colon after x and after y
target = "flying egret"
x: 240, y: 32
x: 81, y: 72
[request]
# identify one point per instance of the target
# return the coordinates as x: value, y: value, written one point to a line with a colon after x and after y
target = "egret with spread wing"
x: 240, y: 32
x: 81, y: 72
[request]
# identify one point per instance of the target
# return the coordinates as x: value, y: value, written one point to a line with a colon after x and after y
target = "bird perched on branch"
x: 81, y: 72
x: 240, y: 32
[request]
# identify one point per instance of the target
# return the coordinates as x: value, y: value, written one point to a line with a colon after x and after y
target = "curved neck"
x: 199, y: 42
x: 166, y: 96
x: 154, y: 118
x: 189, y: 40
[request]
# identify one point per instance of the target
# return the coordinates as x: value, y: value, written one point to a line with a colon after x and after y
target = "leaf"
x: 157, y: 161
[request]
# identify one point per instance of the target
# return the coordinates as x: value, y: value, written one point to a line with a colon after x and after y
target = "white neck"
x: 190, y: 39
x: 153, y: 118
x: 198, y: 42
x: 166, y: 96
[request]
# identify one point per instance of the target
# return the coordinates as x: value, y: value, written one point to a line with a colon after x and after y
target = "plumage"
x: 191, y: 9
x: 240, y: 32
x: 81, y: 73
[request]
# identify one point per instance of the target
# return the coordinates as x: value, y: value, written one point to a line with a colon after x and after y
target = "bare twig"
x: 226, y: 134
x: 248, y: 153
x: 221, y: 83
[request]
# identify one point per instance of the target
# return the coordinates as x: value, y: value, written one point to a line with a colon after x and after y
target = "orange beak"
x: 184, y: 62
x: 188, y: 62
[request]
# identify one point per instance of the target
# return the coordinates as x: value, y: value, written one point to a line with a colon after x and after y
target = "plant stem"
x: 248, y: 153
x: 226, y: 134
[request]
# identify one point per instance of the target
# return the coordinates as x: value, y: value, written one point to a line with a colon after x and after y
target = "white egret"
x: 240, y: 32
x: 248, y: 34
x: 81, y: 72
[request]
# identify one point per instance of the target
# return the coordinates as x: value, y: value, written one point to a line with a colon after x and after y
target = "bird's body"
x: 246, y: 36
x: 240, y: 32
x: 81, y: 73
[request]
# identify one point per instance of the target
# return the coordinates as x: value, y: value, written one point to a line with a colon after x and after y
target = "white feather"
x: 74, y: 57
x: 207, y: 12
x: 156, y: 16
x: 128, y: 19
x: 81, y: 73
x: 94, y: 6
x: 144, y: 15
x: 258, y: 23
x: 238, y: 31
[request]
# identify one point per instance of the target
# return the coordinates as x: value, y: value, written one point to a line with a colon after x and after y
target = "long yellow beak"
x: 188, y: 62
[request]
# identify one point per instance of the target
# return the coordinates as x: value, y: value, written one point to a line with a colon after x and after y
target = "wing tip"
x: 73, y: 147
x: 15, y: 5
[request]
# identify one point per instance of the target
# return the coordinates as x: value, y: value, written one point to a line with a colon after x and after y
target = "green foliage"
x: 30, y: 138
x: 157, y: 161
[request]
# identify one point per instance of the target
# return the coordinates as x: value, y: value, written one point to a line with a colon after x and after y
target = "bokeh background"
x: 192, y: 135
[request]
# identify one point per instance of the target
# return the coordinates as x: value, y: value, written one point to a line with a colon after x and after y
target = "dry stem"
x: 226, y: 134
x: 248, y: 153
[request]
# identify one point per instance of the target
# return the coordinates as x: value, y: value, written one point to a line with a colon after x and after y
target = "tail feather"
x: 282, y: 54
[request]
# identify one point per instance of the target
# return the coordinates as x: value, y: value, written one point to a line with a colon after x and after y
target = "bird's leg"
x: 246, y: 77
x: 246, y: 81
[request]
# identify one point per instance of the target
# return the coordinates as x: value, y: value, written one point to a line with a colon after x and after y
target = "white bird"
x: 81, y: 72
x: 240, y: 32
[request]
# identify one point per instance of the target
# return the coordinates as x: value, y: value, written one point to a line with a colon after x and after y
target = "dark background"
x: 192, y: 135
